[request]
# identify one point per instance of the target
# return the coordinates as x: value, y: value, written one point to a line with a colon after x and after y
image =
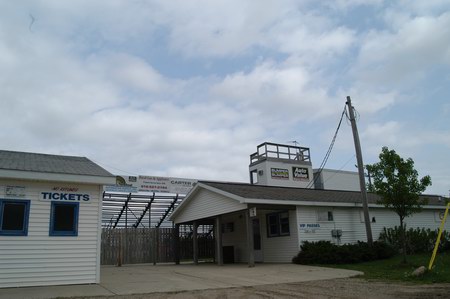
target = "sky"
x: 190, y: 88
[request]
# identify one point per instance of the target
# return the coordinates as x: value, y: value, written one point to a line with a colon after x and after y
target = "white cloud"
x: 97, y: 79
x: 405, y: 54
x: 198, y: 28
x: 284, y: 93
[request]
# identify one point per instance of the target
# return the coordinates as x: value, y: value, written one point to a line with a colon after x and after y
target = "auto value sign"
x: 300, y: 174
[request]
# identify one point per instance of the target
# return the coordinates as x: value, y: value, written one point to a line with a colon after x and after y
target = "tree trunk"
x: 403, y: 239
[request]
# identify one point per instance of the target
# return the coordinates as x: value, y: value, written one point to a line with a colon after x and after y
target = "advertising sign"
x: 15, y: 191
x: 157, y: 184
x: 279, y: 173
x: 300, y: 174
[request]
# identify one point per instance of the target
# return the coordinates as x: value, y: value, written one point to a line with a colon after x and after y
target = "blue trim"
x: 74, y: 231
x: 26, y: 216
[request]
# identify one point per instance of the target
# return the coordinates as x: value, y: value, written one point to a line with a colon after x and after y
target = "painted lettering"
x: 65, y: 196
x: 45, y: 194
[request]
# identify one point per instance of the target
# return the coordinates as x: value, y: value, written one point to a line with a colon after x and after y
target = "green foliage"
x: 324, y: 252
x: 418, y: 240
x: 394, y: 269
x: 396, y: 182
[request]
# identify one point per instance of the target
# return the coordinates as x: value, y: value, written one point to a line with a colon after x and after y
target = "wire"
x: 345, y: 164
x: 123, y: 171
x: 327, y: 155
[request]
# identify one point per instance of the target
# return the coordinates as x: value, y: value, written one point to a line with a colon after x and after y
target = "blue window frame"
x: 14, y: 214
x: 64, y: 218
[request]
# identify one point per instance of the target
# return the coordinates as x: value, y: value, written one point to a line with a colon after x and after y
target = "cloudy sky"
x: 190, y: 88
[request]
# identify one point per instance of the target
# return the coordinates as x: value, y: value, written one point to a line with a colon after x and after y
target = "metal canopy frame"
x: 123, y: 210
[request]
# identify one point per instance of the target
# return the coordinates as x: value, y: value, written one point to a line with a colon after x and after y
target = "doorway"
x: 257, y: 248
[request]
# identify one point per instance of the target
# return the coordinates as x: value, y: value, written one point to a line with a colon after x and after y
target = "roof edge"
x: 57, y: 177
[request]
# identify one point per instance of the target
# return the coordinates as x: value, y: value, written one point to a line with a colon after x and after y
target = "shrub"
x: 418, y: 240
x: 324, y: 252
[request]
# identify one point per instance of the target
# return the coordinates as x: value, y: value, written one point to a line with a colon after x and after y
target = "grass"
x: 394, y: 269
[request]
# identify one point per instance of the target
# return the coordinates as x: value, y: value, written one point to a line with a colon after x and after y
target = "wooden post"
x: 218, y: 233
x: 250, y: 241
x: 155, y: 245
x: 362, y: 181
x: 177, y: 244
x: 195, y: 242
x: 120, y: 249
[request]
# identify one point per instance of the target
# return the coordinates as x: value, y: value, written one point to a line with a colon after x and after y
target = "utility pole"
x: 362, y: 181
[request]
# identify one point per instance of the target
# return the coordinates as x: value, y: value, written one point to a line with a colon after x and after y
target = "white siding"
x: 266, y: 177
x: 206, y: 204
x: 350, y: 221
x: 280, y: 249
x: 275, y: 249
x: 237, y: 238
x: 40, y: 259
x: 337, y: 180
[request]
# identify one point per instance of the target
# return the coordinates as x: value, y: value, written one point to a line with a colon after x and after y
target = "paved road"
x: 139, y: 279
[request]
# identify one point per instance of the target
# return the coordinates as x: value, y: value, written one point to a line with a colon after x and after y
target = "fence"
x: 151, y: 245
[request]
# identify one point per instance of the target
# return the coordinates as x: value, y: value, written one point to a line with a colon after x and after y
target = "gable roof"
x: 43, y: 166
x: 273, y: 193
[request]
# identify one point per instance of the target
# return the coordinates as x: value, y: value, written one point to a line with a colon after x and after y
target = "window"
x: 254, y: 177
x: 325, y: 216
x: 14, y: 217
x: 278, y: 224
x: 228, y: 227
x: 64, y: 219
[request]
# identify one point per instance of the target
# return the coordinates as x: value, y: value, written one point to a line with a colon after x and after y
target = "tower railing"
x: 280, y: 151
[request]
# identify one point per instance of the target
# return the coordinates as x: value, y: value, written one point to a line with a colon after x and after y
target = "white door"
x: 257, y: 246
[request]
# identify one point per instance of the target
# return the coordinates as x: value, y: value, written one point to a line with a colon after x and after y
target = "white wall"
x: 275, y: 249
x: 237, y: 238
x: 40, y: 259
x: 266, y: 177
x: 330, y: 179
x: 280, y: 249
x: 351, y: 222
x: 206, y: 204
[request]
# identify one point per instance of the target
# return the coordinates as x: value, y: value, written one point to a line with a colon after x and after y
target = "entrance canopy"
x: 122, y: 210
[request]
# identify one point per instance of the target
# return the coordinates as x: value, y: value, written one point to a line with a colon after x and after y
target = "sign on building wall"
x: 151, y: 184
x: 300, y: 174
x: 15, y: 191
x: 65, y: 194
x: 279, y: 173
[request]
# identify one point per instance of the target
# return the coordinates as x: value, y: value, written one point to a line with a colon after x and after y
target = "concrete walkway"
x: 139, y: 279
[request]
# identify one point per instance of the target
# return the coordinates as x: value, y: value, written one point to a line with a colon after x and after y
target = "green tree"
x: 396, y: 182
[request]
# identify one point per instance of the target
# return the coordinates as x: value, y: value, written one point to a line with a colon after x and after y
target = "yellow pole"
x: 441, y: 228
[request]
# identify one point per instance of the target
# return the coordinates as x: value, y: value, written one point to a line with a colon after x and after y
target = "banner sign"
x: 279, y: 173
x: 151, y: 184
x: 300, y: 174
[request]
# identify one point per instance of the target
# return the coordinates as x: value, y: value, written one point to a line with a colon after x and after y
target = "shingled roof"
x: 249, y: 191
x: 44, y: 163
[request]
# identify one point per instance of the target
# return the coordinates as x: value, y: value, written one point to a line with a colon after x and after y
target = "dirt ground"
x: 336, y: 288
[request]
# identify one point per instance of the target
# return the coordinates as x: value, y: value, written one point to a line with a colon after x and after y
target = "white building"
x: 50, y: 219
x: 260, y: 222
x: 331, y: 179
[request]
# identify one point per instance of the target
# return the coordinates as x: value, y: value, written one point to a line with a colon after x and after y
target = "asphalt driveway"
x: 145, y: 278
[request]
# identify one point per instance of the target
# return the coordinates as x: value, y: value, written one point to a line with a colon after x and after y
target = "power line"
x: 345, y: 164
x: 109, y: 166
x: 327, y: 155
